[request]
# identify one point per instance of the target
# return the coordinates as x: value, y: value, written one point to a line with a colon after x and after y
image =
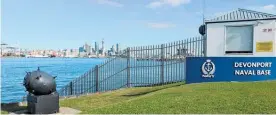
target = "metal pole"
x: 128, y: 67
x: 162, y: 63
x: 204, y: 36
x: 205, y: 45
x: 71, y: 88
x: 97, y: 78
x: 203, y: 12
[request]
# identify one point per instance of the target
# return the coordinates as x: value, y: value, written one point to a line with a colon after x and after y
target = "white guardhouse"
x: 241, y: 33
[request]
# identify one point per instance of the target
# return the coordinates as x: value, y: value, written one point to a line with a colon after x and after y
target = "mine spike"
x: 38, y: 77
x: 38, y: 69
x: 28, y: 72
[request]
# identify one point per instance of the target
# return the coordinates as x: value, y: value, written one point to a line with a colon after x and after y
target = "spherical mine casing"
x: 39, y: 83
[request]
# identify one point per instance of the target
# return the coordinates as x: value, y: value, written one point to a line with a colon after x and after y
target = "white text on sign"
x: 253, y: 68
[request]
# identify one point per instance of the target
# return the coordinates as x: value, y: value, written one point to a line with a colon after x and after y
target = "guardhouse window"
x: 239, y: 39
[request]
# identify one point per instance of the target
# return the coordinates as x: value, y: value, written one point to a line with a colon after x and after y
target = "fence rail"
x: 138, y: 66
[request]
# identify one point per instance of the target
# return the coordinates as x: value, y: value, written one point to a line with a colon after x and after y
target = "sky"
x: 69, y: 24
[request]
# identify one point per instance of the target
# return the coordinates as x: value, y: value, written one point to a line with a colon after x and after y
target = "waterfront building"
x: 75, y: 53
x: 82, y: 54
x: 3, y: 48
x: 43, y: 52
x: 54, y: 53
x: 50, y: 52
x: 241, y: 33
x: 58, y: 53
x: 67, y: 53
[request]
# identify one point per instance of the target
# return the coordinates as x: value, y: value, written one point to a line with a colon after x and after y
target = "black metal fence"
x: 138, y: 66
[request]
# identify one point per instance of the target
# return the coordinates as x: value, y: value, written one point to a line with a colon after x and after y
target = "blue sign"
x: 220, y: 69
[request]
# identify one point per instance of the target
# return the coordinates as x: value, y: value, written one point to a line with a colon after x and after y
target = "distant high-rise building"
x: 100, y: 51
x: 113, y: 49
x: 102, y: 46
x: 81, y: 49
x: 87, y: 48
x: 96, y: 47
x: 93, y: 50
x: 117, y: 47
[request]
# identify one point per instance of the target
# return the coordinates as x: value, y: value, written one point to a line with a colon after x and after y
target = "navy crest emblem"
x: 208, y: 69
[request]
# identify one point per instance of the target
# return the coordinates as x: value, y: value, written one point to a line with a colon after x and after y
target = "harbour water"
x: 13, y: 71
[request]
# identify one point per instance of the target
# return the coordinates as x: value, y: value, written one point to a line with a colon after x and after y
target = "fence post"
x: 162, y: 63
x: 128, y: 67
x: 97, y: 78
x: 205, y: 45
x: 71, y: 88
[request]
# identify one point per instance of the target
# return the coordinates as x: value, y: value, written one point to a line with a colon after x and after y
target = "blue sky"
x: 60, y: 24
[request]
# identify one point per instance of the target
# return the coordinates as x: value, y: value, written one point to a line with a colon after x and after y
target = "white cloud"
x: 172, y: 3
x: 160, y: 25
x: 110, y: 2
x: 155, y: 4
x: 210, y: 16
x: 220, y: 13
x: 158, y: 13
x: 198, y: 13
x: 177, y: 2
x: 271, y: 8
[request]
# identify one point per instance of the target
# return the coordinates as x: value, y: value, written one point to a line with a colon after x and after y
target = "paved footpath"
x: 62, y: 110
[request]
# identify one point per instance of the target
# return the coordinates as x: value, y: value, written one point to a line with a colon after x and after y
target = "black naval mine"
x: 42, y: 96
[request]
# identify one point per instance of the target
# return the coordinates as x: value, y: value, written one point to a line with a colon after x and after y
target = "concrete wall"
x: 216, y: 38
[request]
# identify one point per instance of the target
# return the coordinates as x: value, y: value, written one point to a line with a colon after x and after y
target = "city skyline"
x: 92, y: 44
x: 86, y: 50
x: 64, y: 24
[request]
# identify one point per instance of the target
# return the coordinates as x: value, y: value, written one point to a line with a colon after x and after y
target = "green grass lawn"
x: 235, y: 97
x: 4, y: 112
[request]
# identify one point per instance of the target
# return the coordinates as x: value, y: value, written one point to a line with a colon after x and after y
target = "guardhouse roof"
x: 241, y: 15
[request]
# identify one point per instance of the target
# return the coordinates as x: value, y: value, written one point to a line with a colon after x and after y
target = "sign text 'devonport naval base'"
x: 216, y: 69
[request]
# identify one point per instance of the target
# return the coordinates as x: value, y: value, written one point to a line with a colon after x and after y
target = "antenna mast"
x: 203, y: 11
